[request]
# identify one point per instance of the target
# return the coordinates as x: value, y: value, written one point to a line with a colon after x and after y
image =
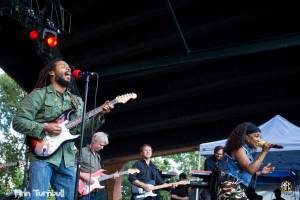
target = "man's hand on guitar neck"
x: 174, y: 185
x: 116, y: 175
x: 106, y: 108
x: 52, y: 128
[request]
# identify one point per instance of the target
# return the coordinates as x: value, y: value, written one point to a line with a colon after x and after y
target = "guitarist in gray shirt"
x: 148, y: 173
x: 91, y: 163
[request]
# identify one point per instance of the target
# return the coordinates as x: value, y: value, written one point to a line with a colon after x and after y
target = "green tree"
x: 181, y: 162
x: 11, y: 144
x: 126, y: 186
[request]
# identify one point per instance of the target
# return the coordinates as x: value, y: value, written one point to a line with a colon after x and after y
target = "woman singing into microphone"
x: 241, y: 168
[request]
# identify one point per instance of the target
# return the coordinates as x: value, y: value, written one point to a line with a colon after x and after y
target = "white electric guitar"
x: 140, y: 193
x: 44, y: 148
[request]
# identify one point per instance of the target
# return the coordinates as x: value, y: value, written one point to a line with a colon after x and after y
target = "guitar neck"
x: 106, y: 177
x: 157, y: 187
x: 166, y: 185
x: 89, y: 114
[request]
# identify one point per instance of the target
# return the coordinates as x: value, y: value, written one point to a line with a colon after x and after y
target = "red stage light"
x: 51, y: 41
x: 34, y: 34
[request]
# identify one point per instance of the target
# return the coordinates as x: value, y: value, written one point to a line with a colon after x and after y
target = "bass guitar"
x: 140, y: 193
x: 49, y: 144
x: 85, y: 188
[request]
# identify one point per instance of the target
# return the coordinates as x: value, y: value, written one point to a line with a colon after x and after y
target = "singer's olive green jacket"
x: 44, y: 105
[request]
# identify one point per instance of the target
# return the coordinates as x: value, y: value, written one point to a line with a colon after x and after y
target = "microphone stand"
x: 79, y: 157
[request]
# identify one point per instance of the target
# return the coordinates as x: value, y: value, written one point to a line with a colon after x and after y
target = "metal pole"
x: 79, y: 158
x: 178, y: 28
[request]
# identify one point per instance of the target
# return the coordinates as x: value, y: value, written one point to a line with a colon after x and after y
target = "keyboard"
x: 200, y: 173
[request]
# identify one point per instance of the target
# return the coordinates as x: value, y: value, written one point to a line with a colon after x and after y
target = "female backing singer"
x: 241, y: 168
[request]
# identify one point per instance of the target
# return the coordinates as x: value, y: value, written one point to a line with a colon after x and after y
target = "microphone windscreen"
x: 76, y: 73
x: 276, y: 146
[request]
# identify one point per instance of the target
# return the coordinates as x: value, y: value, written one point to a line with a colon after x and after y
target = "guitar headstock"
x: 126, y: 97
x: 133, y: 171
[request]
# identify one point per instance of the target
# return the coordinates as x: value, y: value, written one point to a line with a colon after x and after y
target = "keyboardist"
x: 213, y: 162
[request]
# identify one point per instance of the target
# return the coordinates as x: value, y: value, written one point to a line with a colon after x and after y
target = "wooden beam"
x: 221, y: 85
x: 228, y: 113
x: 260, y: 46
x: 166, y: 40
x: 123, y: 159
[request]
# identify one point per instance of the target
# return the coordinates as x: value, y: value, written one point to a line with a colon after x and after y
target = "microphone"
x: 80, y: 74
x: 275, y: 146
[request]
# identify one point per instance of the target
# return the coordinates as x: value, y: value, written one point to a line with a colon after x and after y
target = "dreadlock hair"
x: 44, y: 78
x: 237, y: 138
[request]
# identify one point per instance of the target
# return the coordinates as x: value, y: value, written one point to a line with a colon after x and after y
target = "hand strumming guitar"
x: 52, y: 128
x: 87, y: 178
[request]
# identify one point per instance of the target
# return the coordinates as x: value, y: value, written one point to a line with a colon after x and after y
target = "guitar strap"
x: 74, y: 101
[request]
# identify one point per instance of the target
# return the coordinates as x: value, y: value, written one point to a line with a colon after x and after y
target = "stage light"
x: 34, y: 34
x: 50, y: 37
x: 51, y: 41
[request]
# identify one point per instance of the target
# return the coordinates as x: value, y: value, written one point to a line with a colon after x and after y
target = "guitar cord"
x: 93, y: 127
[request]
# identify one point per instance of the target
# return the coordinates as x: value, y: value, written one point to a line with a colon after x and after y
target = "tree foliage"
x: 11, y: 144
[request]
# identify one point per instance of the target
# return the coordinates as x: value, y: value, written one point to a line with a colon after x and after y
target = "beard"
x: 62, y: 81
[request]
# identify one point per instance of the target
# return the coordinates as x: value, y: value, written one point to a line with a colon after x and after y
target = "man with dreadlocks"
x: 47, y: 101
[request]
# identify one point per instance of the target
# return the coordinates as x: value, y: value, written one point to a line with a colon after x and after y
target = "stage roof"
x: 219, y: 64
